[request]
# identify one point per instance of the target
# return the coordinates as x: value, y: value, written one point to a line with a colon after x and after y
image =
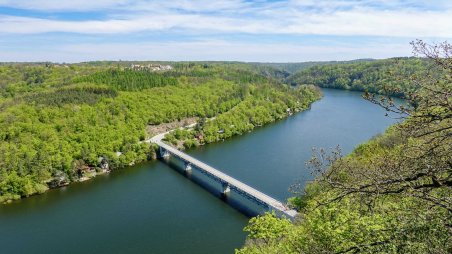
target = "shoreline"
x: 92, y: 172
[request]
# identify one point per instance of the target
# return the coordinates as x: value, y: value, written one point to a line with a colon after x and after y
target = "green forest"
x: 62, y: 123
x: 388, y: 76
x: 260, y: 105
x: 392, y: 194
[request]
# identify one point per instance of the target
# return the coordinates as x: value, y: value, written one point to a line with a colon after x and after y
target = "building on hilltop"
x: 150, y: 67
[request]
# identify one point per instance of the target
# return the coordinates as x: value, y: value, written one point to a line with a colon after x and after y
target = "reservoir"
x: 155, y: 208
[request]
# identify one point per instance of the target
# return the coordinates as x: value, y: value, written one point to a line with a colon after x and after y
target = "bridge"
x: 228, y: 183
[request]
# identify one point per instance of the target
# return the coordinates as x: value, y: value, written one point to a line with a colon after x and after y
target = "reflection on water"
x: 155, y: 208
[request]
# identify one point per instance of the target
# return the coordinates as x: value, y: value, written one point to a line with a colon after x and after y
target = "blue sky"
x: 238, y: 30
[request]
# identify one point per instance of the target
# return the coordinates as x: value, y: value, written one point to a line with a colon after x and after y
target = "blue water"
x: 153, y: 208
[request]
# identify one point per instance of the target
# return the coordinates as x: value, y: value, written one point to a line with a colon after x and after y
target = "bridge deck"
x: 232, y: 182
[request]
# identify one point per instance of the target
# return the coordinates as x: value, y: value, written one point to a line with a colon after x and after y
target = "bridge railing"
x: 238, y: 186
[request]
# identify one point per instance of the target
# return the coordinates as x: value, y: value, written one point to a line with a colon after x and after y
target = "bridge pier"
x: 164, y: 153
x: 226, y: 188
x: 187, y: 167
x: 227, y: 182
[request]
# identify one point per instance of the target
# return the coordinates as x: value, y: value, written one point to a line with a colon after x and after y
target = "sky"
x: 222, y: 30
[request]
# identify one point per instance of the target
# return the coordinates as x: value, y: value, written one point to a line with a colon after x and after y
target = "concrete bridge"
x: 229, y: 183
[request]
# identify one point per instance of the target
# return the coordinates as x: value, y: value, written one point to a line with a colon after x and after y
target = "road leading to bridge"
x: 228, y: 182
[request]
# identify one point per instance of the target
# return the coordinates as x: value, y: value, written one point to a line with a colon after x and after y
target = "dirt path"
x: 153, y: 130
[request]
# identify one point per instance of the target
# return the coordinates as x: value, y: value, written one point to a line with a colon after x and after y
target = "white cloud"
x: 352, y: 22
x: 357, y: 19
x: 61, y: 5
x: 207, y: 50
x: 217, y: 5
x: 124, y: 5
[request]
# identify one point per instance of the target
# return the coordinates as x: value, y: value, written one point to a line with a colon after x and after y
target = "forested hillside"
x: 261, y: 105
x: 63, y: 123
x: 372, y: 76
x: 393, y: 194
x: 292, y: 68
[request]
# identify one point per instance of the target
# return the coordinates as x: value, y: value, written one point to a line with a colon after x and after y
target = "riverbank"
x: 241, y: 119
x: 94, y: 210
x: 193, y: 128
x: 157, y: 208
x: 262, y: 107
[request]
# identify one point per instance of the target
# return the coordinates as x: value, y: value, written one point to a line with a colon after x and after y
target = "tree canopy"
x: 60, y: 123
x: 375, y: 76
x: 393, y: 194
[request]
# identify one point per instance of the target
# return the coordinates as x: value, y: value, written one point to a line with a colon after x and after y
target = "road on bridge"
x: 224, y: 178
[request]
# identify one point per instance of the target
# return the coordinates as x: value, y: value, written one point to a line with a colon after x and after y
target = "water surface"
x: 153, y: 208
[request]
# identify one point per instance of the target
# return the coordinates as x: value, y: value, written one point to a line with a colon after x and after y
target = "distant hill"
x: 364, y: 75
x: 295, y: 67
